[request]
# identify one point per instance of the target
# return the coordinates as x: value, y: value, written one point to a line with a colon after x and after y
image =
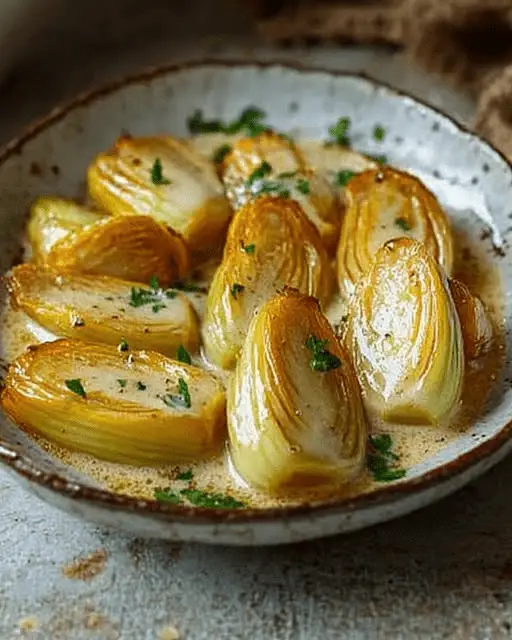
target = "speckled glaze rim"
x: 29, y: 470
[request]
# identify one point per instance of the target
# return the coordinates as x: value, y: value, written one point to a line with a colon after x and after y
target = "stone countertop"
x: 444, y: 572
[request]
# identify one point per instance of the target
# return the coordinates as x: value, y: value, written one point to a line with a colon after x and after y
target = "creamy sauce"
x: 413, y: 444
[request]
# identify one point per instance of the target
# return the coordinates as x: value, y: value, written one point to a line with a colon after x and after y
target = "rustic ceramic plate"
x: 472, y: 180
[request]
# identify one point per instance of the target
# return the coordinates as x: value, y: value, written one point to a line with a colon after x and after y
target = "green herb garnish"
x: 249, y: 123
x: 211, y: 500
x: 157, y: 176
x: 342, y: 178
x: 221, y: 152
x: 158, y: 307
x: 183, y: 355
x: 123, y: 346
x: 272, y: 186
x: 287, y: 174
x: 166, y: 495
x: 379, y: 133
x: 403, y: 224
x: 322, y: 360
x: 303, y: 186
x: 248, y: 248
x: 379, y: 159
x: 140, y: 297
x: 154, y: 283
x: 382, y: 460
x: 185, y: 475
x: 122, y: 383
x: 76, y: 387
x: 141, y: 386
x: 259, y: 173
x: 339, y: 132
x: 236, y: 289
x: 182, y: 400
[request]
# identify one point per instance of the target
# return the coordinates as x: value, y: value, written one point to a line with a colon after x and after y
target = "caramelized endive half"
x: 105, y: 310
x: 270, y: 154
x: 476, y: 325
x: 129, y: 247
x: 295, y: 414
x: 385, y: 204
x: 165, y: 178
x: 271, y: 244
x: 138, y: 408
x: 52, y: 219
x: 405, y: 337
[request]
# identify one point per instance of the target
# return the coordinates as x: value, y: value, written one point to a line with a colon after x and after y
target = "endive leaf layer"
x: 286, y: 250
x: 138, y: 408
x: 185, y: 193
x: 70, y: 238
x: 405, y: 337
x: 383, y: 204
x: 476, y: 325
x: 105, y: 310
x: 292, y: 424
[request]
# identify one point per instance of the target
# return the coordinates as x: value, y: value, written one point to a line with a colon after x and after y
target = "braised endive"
x: 71, y: 238
x: 405, y: 337
x: 295, y: 414
x: 133, y: 407
x: 105, y: 310
x: 165, y: 178
x: 476, y: 325
x: 271, y: 244
x: 383, y: 204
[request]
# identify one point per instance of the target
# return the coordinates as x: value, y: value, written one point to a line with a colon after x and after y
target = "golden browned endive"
x: 271, y: 244
x: 134, y: 407
x: 295, y: 414
x: 405, y: 337
x: 384, y: 204
x: 167, y: 179
x: 105, y: 310
x: 70, y: 238
x: 476, y: 325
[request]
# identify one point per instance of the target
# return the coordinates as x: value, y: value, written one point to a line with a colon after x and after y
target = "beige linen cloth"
x: 468, y: 41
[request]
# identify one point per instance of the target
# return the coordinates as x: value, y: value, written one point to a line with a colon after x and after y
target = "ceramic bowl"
x: 472, y: 180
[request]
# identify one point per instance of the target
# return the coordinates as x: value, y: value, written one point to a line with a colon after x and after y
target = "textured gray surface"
x: 445, y: 572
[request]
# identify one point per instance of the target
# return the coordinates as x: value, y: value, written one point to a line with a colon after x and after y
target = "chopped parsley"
x: 76, y: 387
x: 185, y: 475
x: 157, y: 176
x: 221, y: 152
x: 141, y: 386
x: 379, y: 159
x: 123, y: 346
x: 382, y: 461
x: 259, y: 173
x: 303, y: 186
x: 236, y: 289
x: 403, y: 224
x: 183, y: 355
x: 158, y: 307
x: 190, y: 287
x: 287, y: 174
x: 379, y: 133
x: 342, y: 178
x: 272, y: 186
x: 211, y: 500
x: 182, y: 400
x: 248, y: 248
x: 154, y: 283
x: 198, y: 498
x: 322, y: 360
x: 249, y: 123
x: 122, y: 383
x: 339, y: 132
x: 166, y: 495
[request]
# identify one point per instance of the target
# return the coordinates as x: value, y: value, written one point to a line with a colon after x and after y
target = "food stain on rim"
x: 28, y: 469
